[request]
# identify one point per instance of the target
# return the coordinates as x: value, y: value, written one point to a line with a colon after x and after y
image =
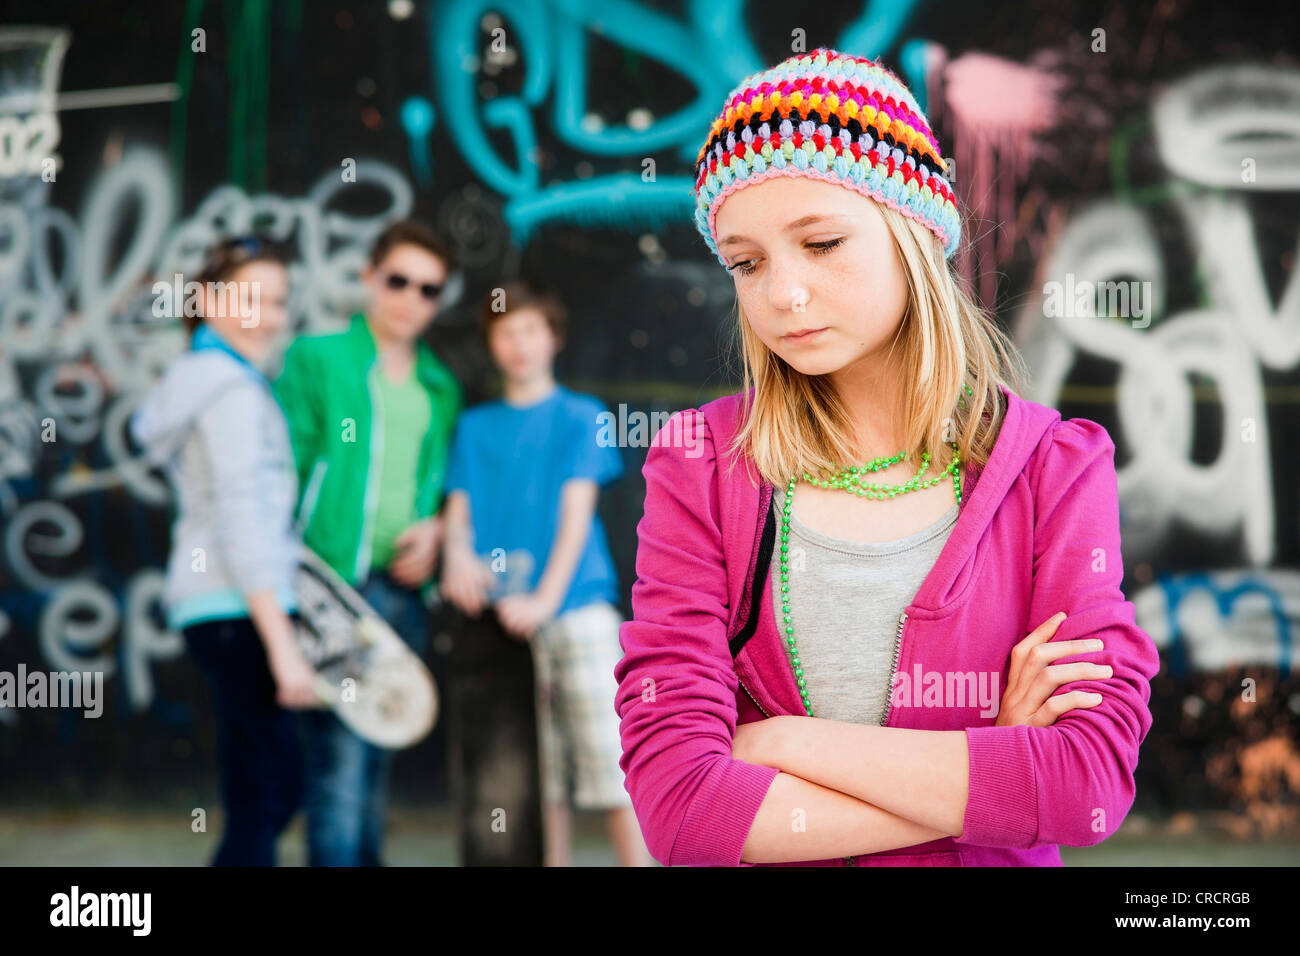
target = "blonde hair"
x: 798, y: 423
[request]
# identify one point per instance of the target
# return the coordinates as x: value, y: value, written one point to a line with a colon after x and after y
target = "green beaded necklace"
x: 851, y: 480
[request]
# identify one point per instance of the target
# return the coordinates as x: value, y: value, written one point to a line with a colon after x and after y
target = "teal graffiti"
x: 710, y: 46
x: 417, y: 122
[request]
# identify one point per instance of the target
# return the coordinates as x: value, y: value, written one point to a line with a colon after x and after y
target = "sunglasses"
x: 250, y: 245
x: 397, y: 282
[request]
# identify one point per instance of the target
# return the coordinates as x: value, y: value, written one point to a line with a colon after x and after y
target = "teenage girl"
x: 213, y: 424
x: 837, y: 568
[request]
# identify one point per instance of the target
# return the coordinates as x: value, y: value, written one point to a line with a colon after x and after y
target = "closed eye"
x: 822, y: 248
x: 748, y: 266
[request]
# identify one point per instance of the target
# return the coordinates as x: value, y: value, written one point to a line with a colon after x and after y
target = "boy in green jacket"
x: 371, y: 412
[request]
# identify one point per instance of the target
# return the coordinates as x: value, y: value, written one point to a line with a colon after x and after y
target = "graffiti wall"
x: 1131, y: 173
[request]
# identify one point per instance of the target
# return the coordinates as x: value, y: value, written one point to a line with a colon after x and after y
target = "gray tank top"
x: 845, y: 601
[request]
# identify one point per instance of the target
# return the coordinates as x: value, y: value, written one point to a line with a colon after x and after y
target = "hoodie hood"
x: 165, y: 416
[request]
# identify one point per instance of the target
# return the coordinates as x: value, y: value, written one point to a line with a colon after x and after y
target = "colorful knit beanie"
x: 830, y: 116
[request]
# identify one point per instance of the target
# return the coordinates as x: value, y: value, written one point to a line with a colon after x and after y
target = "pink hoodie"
x: 1038, y: 533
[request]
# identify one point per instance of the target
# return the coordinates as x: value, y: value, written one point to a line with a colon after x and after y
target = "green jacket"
x: 330, y: 395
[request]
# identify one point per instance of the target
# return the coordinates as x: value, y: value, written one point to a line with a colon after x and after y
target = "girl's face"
x: 249, y: 309
x: 816, y: 272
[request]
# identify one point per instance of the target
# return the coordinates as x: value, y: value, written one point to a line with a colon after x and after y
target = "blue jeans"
x: 257, y: 741
x: 347, y: 777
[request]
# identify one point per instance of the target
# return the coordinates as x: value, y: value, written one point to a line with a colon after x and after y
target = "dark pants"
x: 492, y: 747
x: 257, y: 741
x: 347, y: 777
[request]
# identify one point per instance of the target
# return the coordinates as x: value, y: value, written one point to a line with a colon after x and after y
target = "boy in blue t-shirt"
x: 522, y: 535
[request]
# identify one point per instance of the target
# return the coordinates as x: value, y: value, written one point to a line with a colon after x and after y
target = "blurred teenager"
x: 370, y: 416
x: 214, y: 426
x: 523, y: 537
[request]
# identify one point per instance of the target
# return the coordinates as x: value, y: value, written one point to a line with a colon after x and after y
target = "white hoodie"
x: 214, y: 426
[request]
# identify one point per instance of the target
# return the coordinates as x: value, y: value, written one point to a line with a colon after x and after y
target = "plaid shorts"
x: 574, y: 657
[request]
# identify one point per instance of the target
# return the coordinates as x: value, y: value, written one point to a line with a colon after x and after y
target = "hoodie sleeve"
x: 229, y: 430
x: 676, y: 688
x: 1071, y: 783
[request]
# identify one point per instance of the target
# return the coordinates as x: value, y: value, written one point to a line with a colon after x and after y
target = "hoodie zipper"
x: 893, y: 669
x: 752, y: 697
x: 889, y: 696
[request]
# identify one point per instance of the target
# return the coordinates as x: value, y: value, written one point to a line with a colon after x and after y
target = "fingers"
x: 482, y: 581
x: 451, y: 593
x: 1055, y: 675
x: 464, y: 593
x: 1043, y: 654
x: 298, y: 697
x: 412, y: 566
x: 467, y: 582
x: 1054, y: 707
x: 409, y: 575
x: 518, y: 631
x: 1045, y: 630
x: 1033, y: 677
x: 401, y: 567
x: 323, y: 692
x: 1039, y: 635
x: 487, y: 577
x: 476, y: 595
x: 471, y: 580
x: 1038, y: 681
x: 515, y: 619
x: 421, y: 530
x: 507, y: 615
x: 412, y: 554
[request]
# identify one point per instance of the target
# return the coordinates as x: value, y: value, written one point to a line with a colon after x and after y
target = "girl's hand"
x: 295, y: 680
x: 1028, y: 698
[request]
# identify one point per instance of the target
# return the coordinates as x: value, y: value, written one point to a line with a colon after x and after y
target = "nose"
x: 787, y: 291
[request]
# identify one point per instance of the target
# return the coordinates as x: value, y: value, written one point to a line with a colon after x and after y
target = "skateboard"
x: 365, y: 672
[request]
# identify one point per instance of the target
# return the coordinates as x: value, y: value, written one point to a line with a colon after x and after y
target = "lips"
x: 804, y: 335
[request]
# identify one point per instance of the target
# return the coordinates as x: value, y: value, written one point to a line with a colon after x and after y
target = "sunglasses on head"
x: 250, y: 244
x: 397, y: 282
x: 231, y: 253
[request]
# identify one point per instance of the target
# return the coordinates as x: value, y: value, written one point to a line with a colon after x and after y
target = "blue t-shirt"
x: 512, y: 461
